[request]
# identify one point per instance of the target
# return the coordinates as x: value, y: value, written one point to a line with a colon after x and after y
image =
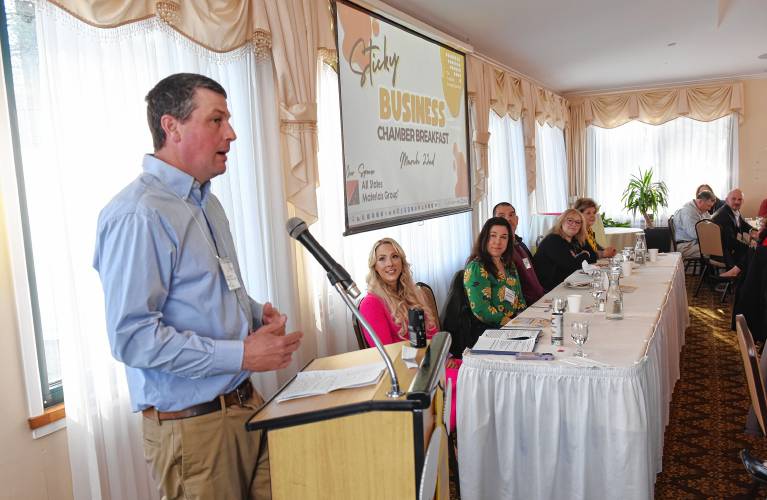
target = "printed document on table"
x: 314, y: 383
x: 500, y: 340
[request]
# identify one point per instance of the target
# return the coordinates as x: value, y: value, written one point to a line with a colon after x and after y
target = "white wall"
x: 30, y: 469
x: 753, y: 146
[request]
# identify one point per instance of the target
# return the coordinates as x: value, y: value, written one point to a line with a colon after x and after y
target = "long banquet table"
x: 547, y: 429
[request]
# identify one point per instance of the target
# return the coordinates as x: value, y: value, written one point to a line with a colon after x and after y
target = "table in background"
x: 545, y: 429
x: 621, y: 237
x: 540, y: 225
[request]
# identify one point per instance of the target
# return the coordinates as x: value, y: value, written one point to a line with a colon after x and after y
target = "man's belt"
x: 683, y: 241
x: 239, y: 396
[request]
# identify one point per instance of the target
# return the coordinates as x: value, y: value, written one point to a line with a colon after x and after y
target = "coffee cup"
x: 574, y: 303
x: 626, y: 268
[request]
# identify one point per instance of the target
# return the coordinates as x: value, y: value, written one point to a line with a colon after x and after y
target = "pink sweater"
x: 374, y: 310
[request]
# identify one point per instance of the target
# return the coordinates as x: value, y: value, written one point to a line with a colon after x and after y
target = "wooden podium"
x: 359, y: 443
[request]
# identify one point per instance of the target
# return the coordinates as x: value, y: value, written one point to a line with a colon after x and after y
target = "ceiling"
x: 588, y: 45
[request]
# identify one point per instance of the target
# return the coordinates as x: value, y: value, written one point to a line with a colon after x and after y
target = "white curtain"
x: 87, y: 138
x: 436, y: 248
x: 507, y: 176
x: 551, y: 163
x: 683, y: 153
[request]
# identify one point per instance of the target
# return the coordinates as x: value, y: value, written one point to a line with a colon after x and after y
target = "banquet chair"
x: 361, y: 342
x: 753, y: 371
x: 710, y: 244
x: 431, y: 299
x: 458, y: 320
x: 756, y: 391
x: 689, y: 262
x: 658, y: 237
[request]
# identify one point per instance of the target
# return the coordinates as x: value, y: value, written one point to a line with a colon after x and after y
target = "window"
x: 683, y: 153
x: 20, y: 55
x: 551, y: 165
x: 507, y: 176
x: 81, y: 134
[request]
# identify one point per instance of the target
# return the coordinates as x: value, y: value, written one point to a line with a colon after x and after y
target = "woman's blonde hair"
x: 570, y: 212
x: 406, y: 295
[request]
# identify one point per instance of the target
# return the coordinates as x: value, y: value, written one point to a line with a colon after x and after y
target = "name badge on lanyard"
x: 230, y: 275
x: 526, y: 262
x: 509, y: 296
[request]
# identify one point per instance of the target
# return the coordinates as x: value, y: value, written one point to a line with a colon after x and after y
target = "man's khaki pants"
x: 209, y: 457
x: 689, y: 249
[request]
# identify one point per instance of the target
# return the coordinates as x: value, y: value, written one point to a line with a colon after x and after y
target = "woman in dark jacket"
x: 561, y: 252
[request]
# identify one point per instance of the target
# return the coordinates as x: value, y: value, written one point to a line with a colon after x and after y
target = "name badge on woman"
x: 510, y: 296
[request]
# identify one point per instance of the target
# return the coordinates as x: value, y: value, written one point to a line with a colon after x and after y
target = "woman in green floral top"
x: 490, y: 279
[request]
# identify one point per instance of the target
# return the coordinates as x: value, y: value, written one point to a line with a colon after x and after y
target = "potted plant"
x: 645, y: 196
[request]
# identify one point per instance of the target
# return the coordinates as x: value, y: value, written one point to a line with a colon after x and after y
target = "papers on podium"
x: 315, y: 383
x: 513, y: 340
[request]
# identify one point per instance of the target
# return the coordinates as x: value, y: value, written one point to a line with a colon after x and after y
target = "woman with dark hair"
x: 717, y: 202
x: 490, y: 278
x: 589, y: 208
x: 391, y: 292
x: 561, y: 252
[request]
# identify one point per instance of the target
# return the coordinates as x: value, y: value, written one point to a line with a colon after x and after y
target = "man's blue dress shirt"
x: 170, y: 316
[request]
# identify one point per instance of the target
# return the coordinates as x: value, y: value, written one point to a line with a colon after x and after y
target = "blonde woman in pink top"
x: 391, y: 292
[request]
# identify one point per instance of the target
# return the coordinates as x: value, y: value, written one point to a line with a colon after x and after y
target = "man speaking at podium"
x: 177, y: 313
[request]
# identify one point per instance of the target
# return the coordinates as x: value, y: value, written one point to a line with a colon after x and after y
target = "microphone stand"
x: 395, y: 391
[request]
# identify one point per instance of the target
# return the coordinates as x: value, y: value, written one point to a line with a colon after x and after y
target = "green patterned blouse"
x: 487, y: 293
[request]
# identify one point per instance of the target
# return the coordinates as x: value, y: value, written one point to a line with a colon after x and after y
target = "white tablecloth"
x: 621, y: 237
x: 546, y: 429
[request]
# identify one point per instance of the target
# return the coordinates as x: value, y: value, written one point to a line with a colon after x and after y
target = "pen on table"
x: 527, y: 355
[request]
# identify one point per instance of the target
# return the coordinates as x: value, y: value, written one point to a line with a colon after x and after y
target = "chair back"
x: 709, y: 238
x: 672, y: 228
x: 431, y: 301
x: 658, y: 237
x: 753, y: 371
x: 361, y: 342
x: 457, y: 319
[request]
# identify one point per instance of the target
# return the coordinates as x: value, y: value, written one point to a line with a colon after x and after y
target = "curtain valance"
x: 654, y: 107
x: 220, y: 26
x: 493, y: 88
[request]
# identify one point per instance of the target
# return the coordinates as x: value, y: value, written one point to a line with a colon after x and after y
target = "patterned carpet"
x: 708, y: 412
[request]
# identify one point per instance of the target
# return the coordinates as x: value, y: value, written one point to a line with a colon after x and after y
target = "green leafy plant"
x: 608, y: 222
x: 645, y: 196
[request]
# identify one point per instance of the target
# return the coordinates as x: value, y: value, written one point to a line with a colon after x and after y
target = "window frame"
x: 41, y: 395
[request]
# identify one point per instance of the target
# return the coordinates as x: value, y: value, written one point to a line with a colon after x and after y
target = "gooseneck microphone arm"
x: 347, y: 289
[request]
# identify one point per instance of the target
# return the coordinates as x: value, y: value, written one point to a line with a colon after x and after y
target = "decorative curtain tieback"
x: 262, y: 44
x: 298, y: 117
x: 169, y: 11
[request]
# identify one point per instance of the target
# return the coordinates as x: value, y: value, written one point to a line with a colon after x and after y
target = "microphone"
x: 336, y: 273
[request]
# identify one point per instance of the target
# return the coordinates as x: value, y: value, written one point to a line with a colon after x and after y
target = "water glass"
x: 596, y: 285
x: 579, y: 332
x: 559, y: 304
x: 627, y: 251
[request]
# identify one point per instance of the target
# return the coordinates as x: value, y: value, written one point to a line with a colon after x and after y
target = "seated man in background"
x: 522, y: 258
x: 717, y: 202
x: 736, y: 233
x: 685, y: 219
